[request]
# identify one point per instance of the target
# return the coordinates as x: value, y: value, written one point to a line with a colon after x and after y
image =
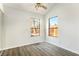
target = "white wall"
x: 0, y: 28
x: 68, y: 21
x: 18, y: 28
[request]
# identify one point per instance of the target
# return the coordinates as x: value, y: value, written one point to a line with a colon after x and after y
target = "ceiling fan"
x: 40, y: 5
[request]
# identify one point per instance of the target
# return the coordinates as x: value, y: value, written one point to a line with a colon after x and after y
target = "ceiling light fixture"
x: 40, y: 5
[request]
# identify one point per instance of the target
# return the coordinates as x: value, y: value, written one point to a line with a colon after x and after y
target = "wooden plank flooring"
x: 38, y: 49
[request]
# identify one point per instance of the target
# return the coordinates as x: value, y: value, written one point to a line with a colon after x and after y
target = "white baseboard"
x: 64, y: 48
x: 18, y: 46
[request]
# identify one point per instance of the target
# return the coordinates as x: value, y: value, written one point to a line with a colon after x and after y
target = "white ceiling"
x: 30, y: 7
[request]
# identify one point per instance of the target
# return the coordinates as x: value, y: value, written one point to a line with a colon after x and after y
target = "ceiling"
x: 30, y: 7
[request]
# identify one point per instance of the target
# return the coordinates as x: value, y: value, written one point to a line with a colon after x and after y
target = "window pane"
x: 53, y: 21
x: 35, y: 30
x: 53, y: 28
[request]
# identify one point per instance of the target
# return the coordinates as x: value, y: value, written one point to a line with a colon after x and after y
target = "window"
x: 35, y: 30
x: 53, y: 26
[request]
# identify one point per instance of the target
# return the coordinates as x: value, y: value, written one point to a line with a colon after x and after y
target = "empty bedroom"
x: 39, y: 29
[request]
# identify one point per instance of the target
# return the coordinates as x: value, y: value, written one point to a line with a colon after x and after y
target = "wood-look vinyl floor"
x: 38, y: 49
